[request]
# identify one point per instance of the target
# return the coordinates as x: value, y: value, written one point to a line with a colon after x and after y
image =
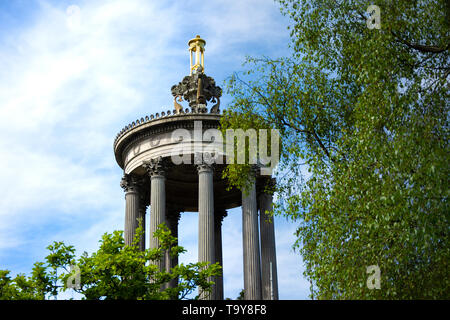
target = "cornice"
x: 156, y: 124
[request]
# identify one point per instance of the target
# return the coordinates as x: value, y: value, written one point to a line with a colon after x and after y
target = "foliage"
x: 114, y: 271
x: 363, y: 116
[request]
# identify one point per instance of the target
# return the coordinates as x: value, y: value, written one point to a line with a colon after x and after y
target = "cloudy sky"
x: 72, y: 74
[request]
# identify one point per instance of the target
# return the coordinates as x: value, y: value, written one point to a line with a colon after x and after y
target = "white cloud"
x: 57, y: 108
x: 72, y: 78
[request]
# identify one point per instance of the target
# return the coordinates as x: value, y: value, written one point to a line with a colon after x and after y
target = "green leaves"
x: 114, y: 271
x: 363, y: 118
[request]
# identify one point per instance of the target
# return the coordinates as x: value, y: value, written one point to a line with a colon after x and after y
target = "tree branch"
x: 420, y: 47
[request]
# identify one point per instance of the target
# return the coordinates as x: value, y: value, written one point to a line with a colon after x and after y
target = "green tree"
x: 363, y: 115
x: 114, y: 271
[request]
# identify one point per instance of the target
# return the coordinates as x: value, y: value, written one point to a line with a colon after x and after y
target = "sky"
x: 72, y: 75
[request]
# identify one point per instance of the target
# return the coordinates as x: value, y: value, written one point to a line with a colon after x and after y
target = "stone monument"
x: 144, y: 150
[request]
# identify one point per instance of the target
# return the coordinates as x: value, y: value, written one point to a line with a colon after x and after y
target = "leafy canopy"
x: 363, y: 116
x: 114, y: 271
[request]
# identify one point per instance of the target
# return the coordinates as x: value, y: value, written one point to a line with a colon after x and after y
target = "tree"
x: 115, y: 271
x: 363, y: 116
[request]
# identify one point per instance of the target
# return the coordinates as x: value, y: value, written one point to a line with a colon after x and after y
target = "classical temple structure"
x: 144, y: 150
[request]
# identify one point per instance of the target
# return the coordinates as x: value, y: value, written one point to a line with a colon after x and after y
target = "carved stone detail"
x: 178, y: 107
x: 197, y: 89
x: 157, y: 166
x: 130, y: 183
x: 220, y: 214
x: 204, y: 167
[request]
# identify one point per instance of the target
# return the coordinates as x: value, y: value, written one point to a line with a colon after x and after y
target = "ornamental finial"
x: 197, y: 45
x: 197, y: 88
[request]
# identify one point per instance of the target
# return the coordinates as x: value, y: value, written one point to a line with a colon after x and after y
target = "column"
x: 132, y: 204
x: 203, y: 61
x: 219, y: 214
x: 141, y: 217
x: 250, y: 241
x: 268, y: 252
x: 172, y: 218
x: 197, y: 57
x: 190, y: 60
x: 156, y: 168
x: 206, y: 221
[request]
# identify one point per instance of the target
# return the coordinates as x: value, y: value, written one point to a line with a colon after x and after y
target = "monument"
x: 144, y: 150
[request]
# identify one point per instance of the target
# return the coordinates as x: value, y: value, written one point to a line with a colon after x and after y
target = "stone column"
x: 172, y: 218
x: 219, y: 214
x: 132, y: 204
x: 268, y: 251
x: 157, y: 171
x: 250, y: 235
x: 142, y: 211
x: 206, y: 221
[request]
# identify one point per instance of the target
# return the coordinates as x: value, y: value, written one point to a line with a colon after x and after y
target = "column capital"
x: 254, y: 170
x: 156, y: 167
x: 143, y: 204
x: 219, y: 214
x: 265, y: 186
x: 173, y: 214
x: 269, y: 184
x: 130, y: 183
x: 263, y: 194
x: 204, y: 167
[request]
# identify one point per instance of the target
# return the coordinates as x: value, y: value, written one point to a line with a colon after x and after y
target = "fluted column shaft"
x: 219, y: 214
x: 132, y: 207
x: 131, y: 216
x: 157, y: 211
x: 268, y: 250
x: 157, y: 170
x: 141, y: 217
x: 172, y: 218
x: 252, y: 266
x: 206, y: 221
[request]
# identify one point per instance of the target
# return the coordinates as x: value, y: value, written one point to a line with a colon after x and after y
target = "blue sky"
x: 72, y: 74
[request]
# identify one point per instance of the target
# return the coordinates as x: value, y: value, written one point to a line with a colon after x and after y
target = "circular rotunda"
x: 173, y: 162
